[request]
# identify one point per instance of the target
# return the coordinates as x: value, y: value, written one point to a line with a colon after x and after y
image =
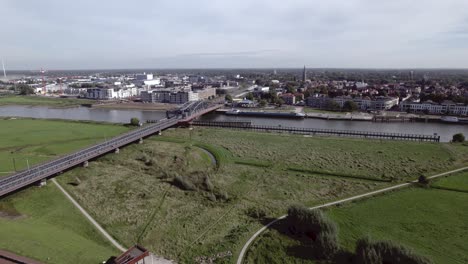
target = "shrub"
x: 313, y: 228
x: 184, y: 183
x: 459, y: 137
x: 370, y: 252
x: 135, y: 121
x: 256, y: 213
x: 207, y: 185
x: 423, y: 180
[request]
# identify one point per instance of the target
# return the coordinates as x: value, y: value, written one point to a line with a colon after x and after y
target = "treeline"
x: 318, y: 234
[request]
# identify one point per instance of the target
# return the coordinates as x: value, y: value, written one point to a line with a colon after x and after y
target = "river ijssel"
x: 123, y: 116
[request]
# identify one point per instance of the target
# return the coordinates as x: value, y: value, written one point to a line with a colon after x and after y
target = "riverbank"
x: 34, y: 100
x: 62, y: 102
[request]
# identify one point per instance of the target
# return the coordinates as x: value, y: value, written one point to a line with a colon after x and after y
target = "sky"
x: 104, y: 34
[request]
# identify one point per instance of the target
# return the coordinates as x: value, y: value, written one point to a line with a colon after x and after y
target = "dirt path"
x: 241, y: 256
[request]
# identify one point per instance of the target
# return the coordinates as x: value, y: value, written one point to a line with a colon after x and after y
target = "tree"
x: 332, y: 105
x: 135, y: 121
x: 314, y: 229
x: 423, y: 181
x: 280, y: 101
x: 25, y: 89
x: 263, y: 103
x: 249, y: 96
x: 370, y: 252
x: 459, y: 137
x: 228, y: 98
x: 350, y: 106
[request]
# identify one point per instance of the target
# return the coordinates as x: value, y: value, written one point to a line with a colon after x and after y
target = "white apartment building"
x: 111, y: 93
x: 446, y: 107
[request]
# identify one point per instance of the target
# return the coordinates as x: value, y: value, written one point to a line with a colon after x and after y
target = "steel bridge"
x: 40, y: 172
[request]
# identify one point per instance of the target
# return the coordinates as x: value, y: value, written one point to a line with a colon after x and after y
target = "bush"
x: 459, y: 137
x: 207, y: 185
x: 423, y: 180
x: 184, y: 183
x: 25, y: 89
x: 313, y: 228
x: 370, y: 252
x: 256, y: 213
x: 135, y: 121
x: 350, y: 106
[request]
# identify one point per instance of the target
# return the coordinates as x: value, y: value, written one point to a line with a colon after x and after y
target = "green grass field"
x: 430, y: 221
x: 397, y: 160
x: 33, y: 100
x: 132, y: 195
x: 42, y: 224
x: 456, y: 182
x: 39, y: 222
x: 35, y: 141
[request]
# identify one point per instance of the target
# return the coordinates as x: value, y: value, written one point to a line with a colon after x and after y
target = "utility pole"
x: 14, y: 164
x: 4, y: 71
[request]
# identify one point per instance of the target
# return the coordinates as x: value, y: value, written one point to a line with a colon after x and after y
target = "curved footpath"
x: 241, y: 256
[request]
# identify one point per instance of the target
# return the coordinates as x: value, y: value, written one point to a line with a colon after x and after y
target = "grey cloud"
x: 233, y: 33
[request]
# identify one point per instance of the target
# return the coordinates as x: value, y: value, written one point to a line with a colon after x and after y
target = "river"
x: 445, y: 131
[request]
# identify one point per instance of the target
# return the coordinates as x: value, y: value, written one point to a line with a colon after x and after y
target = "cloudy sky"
x: 92, y: 34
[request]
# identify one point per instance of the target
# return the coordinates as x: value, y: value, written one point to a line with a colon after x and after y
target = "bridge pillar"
x: 140, y: 141
x: 159, y: 133
x: 85, y: 164
x: 117, y: 150
x: 42, y: 182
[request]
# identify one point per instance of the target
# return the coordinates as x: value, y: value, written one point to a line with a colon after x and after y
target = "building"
x: 207, y: 93
x: 137, y: 255
x: 289, y: 98
x: 260, y: 89
x: 171, y: 97
x: 429, y: 107
x: 364, y: 103
x: 110, y: 93
x: 318, y: 101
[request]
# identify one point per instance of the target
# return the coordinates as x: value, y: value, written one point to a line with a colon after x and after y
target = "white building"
x: 110, y: 93
x: 446, y: 107
x: 171, y: 97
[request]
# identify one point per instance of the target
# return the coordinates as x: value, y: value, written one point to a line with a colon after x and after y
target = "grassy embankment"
x: 35, y: 141
x: 430, y: 221
x: 42, y: 224
x: 134, y: 196
x: 33, y: 100
x: 39, y: 222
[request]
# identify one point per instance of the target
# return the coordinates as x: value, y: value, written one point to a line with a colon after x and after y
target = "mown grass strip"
x: 254, y: 163
x: 337, y: 174
x: 221, y: 155
x: 449, y: 189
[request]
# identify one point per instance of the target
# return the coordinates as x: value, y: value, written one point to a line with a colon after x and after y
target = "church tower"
x: 304, y: 75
